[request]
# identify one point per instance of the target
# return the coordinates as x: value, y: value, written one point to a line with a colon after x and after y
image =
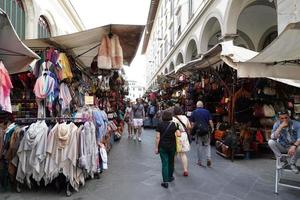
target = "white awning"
x: 284, y: 48
x: 279, y: 61
x: 222, y: 52
x: 83, y: 46
x: 14, y: 54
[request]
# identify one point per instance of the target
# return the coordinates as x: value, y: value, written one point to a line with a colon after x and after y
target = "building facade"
x: 39, y: 19
x: 136, y: 90
x: 179, y: 31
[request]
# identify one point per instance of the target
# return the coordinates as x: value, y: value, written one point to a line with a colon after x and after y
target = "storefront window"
x: 43, y: 28
x: 15, y: 11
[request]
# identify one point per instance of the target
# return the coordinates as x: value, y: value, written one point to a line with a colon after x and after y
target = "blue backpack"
x: 152, y: 110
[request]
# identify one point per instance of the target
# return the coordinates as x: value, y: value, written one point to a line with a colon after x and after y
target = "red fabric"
x: 152, y: 96
x: 259, y: 137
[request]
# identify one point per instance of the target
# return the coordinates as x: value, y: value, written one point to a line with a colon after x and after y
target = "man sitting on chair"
x: 285, y: 139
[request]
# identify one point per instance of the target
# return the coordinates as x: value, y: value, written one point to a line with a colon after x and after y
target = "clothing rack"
x: 48, y: 119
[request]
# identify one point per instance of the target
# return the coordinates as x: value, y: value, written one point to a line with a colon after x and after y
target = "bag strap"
x: 184, y: 126
x: 166, y: 130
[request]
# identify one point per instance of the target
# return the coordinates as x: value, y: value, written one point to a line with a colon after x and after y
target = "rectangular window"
x: 171, y: 7
x: 190, y: 9
x: 166, y: 21
x: 166, y: 47
x: 178, y: 24
x: 172, y: 36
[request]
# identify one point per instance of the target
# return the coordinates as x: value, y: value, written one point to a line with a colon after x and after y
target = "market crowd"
x: 176, y: 130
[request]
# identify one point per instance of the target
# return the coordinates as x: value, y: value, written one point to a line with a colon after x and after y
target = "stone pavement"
x: 134, y: 174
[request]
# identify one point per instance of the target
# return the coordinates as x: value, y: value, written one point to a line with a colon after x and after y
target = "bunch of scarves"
x: 5, y: 87
x: 44, y: 89
x: 110, y: 53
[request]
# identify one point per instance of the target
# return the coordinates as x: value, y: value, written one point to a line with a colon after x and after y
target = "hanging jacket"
x: 32, y: 153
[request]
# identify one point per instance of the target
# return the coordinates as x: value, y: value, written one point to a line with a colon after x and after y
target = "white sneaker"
x: 139, y: 139
x: 134, y: 137
x: 282, y: 163
x: 294, y: 168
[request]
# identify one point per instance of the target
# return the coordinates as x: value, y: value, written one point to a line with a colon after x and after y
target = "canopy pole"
x: 88, y: 51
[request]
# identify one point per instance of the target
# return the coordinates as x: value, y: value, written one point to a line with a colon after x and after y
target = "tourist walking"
x: 165, y: 145
x: 138, y: 119
x: 183, y: 144
x: 128, y: 117
x: 201, y: 120
x: 285, y: 139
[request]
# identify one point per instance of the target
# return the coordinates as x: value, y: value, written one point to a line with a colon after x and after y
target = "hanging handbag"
x: 269, y: 91
x: 219, y: 135
x: 269, y: 110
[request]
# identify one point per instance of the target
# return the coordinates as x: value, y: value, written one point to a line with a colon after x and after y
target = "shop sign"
x: 89, y: 100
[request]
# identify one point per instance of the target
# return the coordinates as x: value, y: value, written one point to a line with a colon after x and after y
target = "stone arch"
x: 171, y: 67
x: 262, y: 43
x: 179, y: 59
x: 243, y: 40
x: 191, y: 50
x: 242, y: 16
x: 52, y: 24
x: 212, y: 26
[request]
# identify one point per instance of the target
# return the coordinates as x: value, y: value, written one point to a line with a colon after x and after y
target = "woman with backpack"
x: 165, y: 146
x: 183, y: 144
x: 151, y: 112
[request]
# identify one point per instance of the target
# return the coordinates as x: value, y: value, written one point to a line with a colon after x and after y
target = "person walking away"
x: 138, y: 119
x: 285, y: 139
x: 151, y: 111
x: 201, y: 120
x: 165, y: 145
x: 129, y: 119
x: 184, y: 126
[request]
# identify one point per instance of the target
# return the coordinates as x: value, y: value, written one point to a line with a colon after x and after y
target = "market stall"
x: 243, y: 108
x: 68, y: 103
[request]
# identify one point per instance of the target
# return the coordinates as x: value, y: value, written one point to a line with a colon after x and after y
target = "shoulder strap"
x: 166, y: 130
x: 184, y: 126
